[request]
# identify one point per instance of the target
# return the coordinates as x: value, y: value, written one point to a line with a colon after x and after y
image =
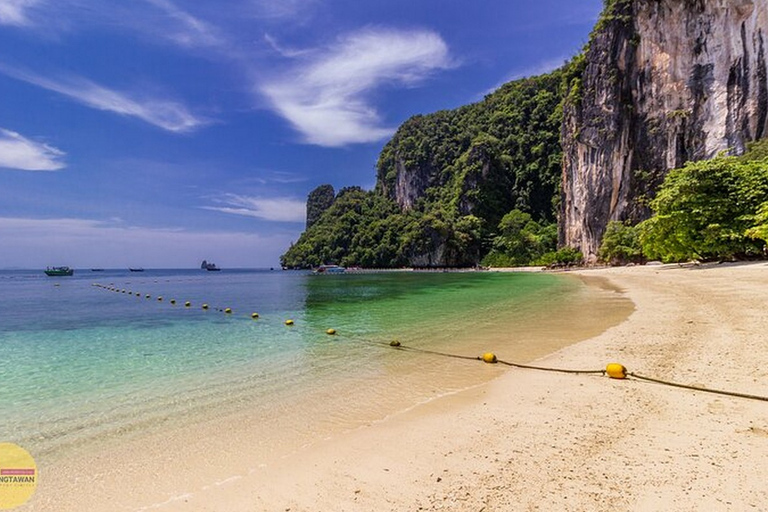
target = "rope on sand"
x: 613, y: 370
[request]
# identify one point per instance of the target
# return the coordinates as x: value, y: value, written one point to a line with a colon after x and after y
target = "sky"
x: 158, y: 133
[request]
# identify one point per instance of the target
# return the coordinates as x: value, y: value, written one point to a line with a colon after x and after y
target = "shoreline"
x: 150, y: 465
x: 533, y: 440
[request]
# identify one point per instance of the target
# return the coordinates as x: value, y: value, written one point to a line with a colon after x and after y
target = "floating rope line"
x: 611, y: 370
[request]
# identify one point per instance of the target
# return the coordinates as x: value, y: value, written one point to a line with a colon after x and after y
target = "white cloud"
x: 279, y: 209
x: 326, y: 96
x: 84, y: 243
x: 191, y: 31
x: 17, y: 152
x: 166, y: 114
x: 14, y: 12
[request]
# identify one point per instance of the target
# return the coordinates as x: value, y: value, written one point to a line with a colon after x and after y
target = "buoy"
x: 159, y: 298
x: 489, y: 357
x: 205, y: 306
x: 331, y: 331
x: 289, y: 322
x: 173, y: 301
x: 148, y: 296
x: 254, y: 315
x: 616, y: 371
x: 394, y: 343
x: 187, y: 304
x: 228, y: 310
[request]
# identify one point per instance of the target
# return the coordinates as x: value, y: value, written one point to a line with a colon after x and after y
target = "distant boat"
x: 329, y: 269
x: 59, y: 271
x: 138, y: 269
x: 97, y: 270
x: 211, y: 267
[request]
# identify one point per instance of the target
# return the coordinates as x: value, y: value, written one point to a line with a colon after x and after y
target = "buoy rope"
x: 698, y: 388
x: 425, y: 351
x: 547, y: 369
x: 479, y: 358
x: 398, y: 346
x: 582, y: 372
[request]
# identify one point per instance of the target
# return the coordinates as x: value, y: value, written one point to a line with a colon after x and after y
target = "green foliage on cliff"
x: 459, y: 173
x: 709, y: 210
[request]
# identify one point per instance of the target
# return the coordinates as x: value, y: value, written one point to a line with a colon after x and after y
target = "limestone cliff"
x: 665, y: 81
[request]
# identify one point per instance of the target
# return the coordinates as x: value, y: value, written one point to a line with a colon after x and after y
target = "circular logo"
x: 18, y: 476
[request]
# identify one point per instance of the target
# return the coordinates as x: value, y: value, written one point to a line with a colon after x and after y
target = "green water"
x: 86, y: 368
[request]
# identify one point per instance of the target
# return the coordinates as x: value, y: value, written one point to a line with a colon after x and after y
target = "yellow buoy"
x: 254, y: 315
x: 616, y: 371
x: 394, y: 343
x: 331, y: 331
x: 489, y: 357
x: 228, y: 310
x: 205, y: 306
x: 187, y: 304
x: 289, y: 322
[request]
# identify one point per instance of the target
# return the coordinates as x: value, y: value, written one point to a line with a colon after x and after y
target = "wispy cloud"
x: 17, y: 152
x: 166, y: 114
x: 279, y: 209
x: 16, y: 12
x: 326, y: 96
x: 189, y: 31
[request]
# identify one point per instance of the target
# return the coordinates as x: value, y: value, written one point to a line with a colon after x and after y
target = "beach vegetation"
x: 521, y: 241
x: 709, y: 210
x: 621, y: 244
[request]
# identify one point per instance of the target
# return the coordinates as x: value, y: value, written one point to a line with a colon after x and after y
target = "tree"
x: 621, y: 244
x: 705, y: 210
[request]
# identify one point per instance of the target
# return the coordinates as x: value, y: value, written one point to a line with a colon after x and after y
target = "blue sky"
x: 158, y: 133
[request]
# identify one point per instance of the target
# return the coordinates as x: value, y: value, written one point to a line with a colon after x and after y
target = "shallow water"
x: 87, y: 364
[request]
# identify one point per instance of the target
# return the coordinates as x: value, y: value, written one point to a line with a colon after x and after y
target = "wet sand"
x: 532, y: 440
x: 229, y: 452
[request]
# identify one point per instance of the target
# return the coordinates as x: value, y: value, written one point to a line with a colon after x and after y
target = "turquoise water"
x: 83, y: 364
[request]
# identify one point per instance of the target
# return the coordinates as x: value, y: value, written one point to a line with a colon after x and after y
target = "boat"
x: 329, y: 269
x: 211, y: 267
x: 59, y: 271
x: 97, y: 270
x: 137, y: 269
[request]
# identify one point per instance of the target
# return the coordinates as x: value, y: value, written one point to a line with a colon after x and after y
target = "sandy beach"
x: 533, y: 440
x: 523, y: 440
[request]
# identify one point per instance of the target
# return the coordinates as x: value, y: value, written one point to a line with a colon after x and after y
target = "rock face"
x: 666, y: 81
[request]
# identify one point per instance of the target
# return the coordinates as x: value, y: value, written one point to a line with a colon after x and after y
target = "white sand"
x: 542, y: 441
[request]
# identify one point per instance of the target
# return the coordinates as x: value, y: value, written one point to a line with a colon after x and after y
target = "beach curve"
x: 534, y: 441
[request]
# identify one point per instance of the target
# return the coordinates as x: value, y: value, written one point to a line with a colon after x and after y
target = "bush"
x: 621, y: 244
x: 564, y: 257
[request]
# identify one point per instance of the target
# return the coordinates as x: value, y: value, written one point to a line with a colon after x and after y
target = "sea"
x: 101, y: 358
